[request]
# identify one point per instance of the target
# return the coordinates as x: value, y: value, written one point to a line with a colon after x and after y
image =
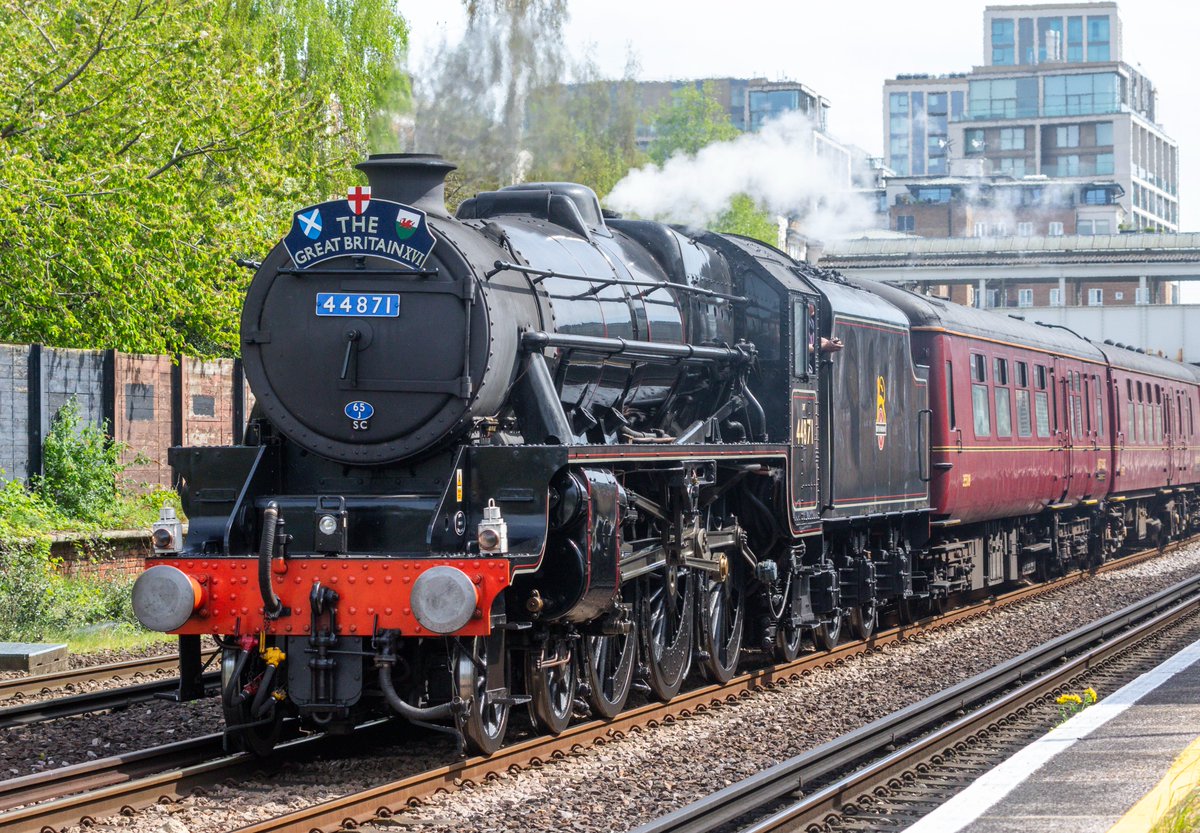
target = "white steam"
x: 787, y: 167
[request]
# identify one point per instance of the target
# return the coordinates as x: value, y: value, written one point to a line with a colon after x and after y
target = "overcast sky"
x: 845, y: 50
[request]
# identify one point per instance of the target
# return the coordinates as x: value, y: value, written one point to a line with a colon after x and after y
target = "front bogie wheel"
x: 482, y: 676
x: 252, y: 712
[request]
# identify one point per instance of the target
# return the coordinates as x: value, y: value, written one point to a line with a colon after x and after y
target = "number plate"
x: 358, y: 304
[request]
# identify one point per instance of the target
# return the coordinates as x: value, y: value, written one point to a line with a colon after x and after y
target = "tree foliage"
x: 585, y: 131
x: 691, y: 120
x: 144, y: 144
x: 471, y: 106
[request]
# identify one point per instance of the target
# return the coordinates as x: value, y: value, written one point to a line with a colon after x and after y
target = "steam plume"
x: 787, y: 167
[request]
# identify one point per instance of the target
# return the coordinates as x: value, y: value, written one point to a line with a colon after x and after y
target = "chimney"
x: 416, y: 179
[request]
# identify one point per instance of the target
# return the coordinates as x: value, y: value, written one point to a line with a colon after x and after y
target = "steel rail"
x: 388, y: 798
x: 41, y: 683
x: 93, y: 701
x: 104, y: 772
x: 927, y: 718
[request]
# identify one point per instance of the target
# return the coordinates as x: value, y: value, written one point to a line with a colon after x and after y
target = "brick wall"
x: 112, y: 556
x: 142, y: 410
x: 148, y: 403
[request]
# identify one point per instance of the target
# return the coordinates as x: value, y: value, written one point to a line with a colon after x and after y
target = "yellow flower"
x: 1090, y: 694
x: 1065, y: 699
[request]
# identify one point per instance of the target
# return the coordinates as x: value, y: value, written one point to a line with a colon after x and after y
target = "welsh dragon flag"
x: 407, y: 222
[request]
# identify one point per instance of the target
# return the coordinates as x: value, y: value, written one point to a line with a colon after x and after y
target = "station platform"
x: 1119, y: 766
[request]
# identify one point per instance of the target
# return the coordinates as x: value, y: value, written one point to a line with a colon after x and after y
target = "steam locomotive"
x: 536, y: 454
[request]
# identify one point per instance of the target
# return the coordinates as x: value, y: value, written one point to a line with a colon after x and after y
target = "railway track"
x: 385, y: 799
x: 126, y: 670
x: 862, y: 782
x: 94, y: 701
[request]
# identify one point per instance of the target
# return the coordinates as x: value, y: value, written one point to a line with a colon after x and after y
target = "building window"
x: 906, y: 222
x: 1066, y: 136
x: 1024, y: 297
x: 1054, y: 229
x: 999, y: 230
x: 1141, y: 295
x: 1101, y: 226
x: 1056, y: 297
x: 1104, y: 163
x: 1098, y: 38
x: 1098, y: 196
x: 1078, y: 95
x: 1104, y: 133
x: 1083, y: 227
x: 1024, y: 229
x: 1013, y: 166
x: 995, y: 300
x: 1025, y: 45
x: 1050, y: 39
x: 1003, y: 49
x: 975, y: 141
x: 1003, y: 98
x: 1118, y: 296
x: 1012, y: 138
x: 981, y: 229
x: 1095, y: 297
x: 933, y: 195
x: 1074, y: 40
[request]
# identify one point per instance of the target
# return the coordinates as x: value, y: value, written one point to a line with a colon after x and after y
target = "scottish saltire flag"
x: 310, y: 223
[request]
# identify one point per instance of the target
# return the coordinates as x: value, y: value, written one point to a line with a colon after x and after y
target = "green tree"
x: 691, y: 120
x: 585, y: 131
x: 471, y: 106
x: 144, y: 144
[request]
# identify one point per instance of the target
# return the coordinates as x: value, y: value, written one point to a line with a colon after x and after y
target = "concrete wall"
x: 14, y: 411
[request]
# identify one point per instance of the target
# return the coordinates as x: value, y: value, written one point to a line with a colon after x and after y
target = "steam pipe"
x: 228, y: 696
x: 403, y: 708
x: 264, y: 692
x: 271, y: 604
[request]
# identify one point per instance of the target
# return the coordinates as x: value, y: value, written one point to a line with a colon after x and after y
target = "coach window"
x: 1003, y: 399
x: 1191, y: 424
x: 1099, y: 404
x: 979, y: 396
x: 1087, y: 403
x: 1024, y: 423
x: 1041, y: 402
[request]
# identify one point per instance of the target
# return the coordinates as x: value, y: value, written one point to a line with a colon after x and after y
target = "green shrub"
x: 80, y: 467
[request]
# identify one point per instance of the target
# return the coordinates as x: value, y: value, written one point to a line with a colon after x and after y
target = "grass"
x: 108, y: 637
x: 1183, y: 817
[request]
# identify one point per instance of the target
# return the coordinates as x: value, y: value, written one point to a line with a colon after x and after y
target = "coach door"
x: 806, y: 356
x: 1062, y: 423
